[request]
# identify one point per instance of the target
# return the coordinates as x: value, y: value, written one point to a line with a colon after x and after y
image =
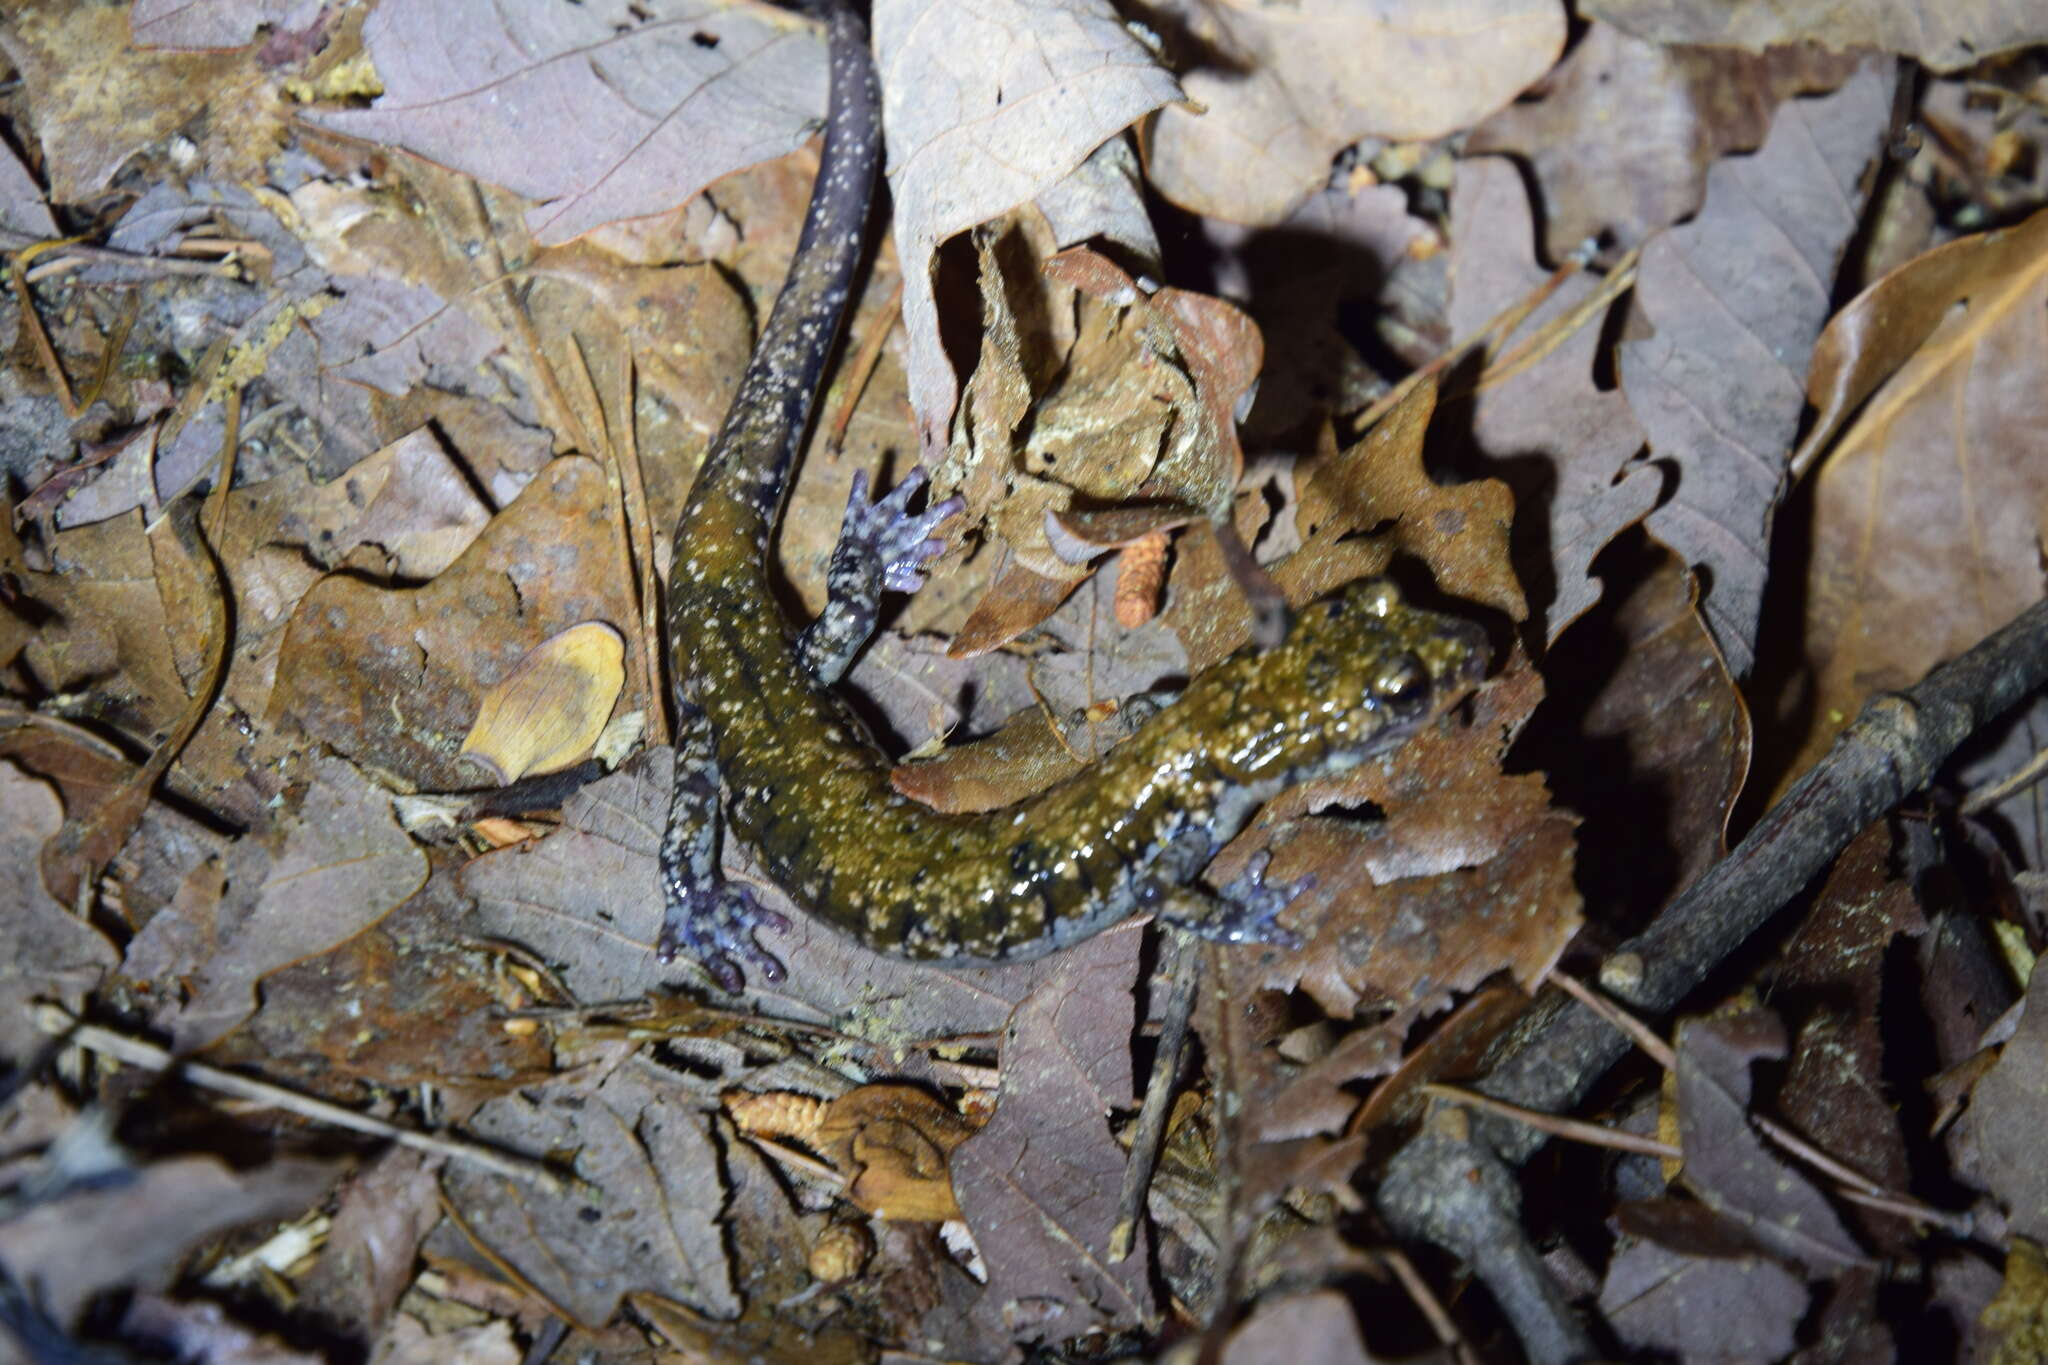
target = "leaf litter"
x: 469, y: 371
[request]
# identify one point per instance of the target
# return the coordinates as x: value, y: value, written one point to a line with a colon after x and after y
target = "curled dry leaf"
x: 1275, y: 93
x: 1132, y: 416
x: 548, y: 711
x: 1359, y: 508
x: 893, y: 1143
x: 986, y: 107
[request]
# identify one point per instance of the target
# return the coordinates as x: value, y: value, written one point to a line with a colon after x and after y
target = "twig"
x: 859, y: 369
x: 1419, y: 1293
x: 1446, y: 1189
x: 1893, y: 747
x: 2029, y: 773
x: 149, y: 1056
x: 1578, y: 1130
x: 1150, y: 1130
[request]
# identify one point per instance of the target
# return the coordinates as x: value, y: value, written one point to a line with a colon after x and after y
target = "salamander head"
x: 1359, y: 672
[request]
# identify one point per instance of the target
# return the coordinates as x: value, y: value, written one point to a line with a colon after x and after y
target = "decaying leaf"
x: 655, y: 1228
x: 52, y: 955
x: 893, y: 1142
x: 135, y: 1233
x: 1008, y: 98
x: 1621, y: 140
x: 393, y: 677
x: 1998, y: 1141
x: 1727, y: 1164
x: 1038, y: 1184
x: 1563, y: 444
x: 1686, y: 1281
x: 326, y: 875
x: 1945, y: 36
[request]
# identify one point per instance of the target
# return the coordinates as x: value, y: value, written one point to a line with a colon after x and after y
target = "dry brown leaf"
x: 135, y: 1234
x: 51, y: 954
x: 1038, y: 1183
x: 1624, y: 132
x: 1684, y: 1281
x: 1997, y: 1143
x: 1565, y: 445
x: 649, y: 1150
x: 1358, y: 510
x: 1277, y: 92
x: 641, y: 107
x: 393, y: 677
x: 1656, y: 753
x: 212, y: 24
x: 98, y: 99
x: 329, y: 871
x: 1726, y: 1161
x: 1467, y: 873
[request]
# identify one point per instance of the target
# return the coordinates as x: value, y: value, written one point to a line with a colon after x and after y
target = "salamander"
x: 766, y: 748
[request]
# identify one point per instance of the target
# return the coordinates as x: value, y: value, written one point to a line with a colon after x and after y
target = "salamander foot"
x: 716, y: 924
x: 1247, y: 909
x: 903, y: 543
x: 882, y: 547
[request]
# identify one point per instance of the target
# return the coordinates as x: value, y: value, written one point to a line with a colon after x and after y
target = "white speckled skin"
x: 806, y: 788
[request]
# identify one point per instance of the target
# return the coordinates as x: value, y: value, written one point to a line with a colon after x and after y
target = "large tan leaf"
x: 1280, y: 89
x: 1927, y: 511
x: 1944, y: 34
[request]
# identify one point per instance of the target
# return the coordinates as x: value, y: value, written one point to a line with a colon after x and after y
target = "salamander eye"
x: 1400, y: 680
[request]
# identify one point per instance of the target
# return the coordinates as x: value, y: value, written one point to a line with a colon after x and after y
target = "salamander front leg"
x: 1244, y: 910
x: 710, y: 918
x: 881, y: 547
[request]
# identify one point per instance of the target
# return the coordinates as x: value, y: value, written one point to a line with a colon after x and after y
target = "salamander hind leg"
x: 708, y: 917
x: 1244, y: 910
x: 882, y: 547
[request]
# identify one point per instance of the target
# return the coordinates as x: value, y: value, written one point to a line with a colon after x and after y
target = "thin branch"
x: 1150, y: 1131
x: 150, y: 1057
x: 1577, y: 1130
